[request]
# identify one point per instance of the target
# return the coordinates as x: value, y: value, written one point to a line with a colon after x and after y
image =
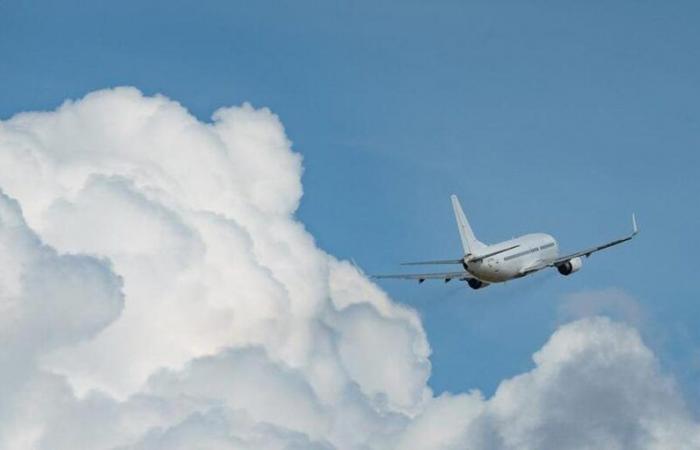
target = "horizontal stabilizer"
x: 421, y: 277
x: 427, y: 263
x: 478, y: 258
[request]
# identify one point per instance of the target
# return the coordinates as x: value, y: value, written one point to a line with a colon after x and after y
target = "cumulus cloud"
x: 595, y: 385
x: 47, y: 300
x: 157, y: 292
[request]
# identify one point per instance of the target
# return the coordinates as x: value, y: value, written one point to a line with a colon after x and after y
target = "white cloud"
x: 47, y: 300
x: 595, y: 385
x: 161, y: 294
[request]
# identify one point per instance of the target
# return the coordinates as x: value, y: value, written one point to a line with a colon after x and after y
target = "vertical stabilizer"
x: 469, y: 241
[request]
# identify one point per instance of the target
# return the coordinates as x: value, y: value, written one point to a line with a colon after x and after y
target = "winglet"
x: 635, y: 229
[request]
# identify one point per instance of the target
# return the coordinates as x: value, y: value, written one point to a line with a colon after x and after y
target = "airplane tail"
x: 469, y: 242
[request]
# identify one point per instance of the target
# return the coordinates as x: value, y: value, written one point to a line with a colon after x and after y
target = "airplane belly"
x: 492, y: 272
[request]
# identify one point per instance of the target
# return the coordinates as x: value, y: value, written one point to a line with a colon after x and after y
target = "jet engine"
x: 476, y: 284
x: 571, y: 266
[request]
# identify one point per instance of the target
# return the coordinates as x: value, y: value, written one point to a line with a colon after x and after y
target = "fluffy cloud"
x: 157, y: 292
x: 594, y: 385
x: 48, y: 300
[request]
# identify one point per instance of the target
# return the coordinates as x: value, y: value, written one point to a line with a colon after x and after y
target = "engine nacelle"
x: 476, y: 284
x: 571, y: 266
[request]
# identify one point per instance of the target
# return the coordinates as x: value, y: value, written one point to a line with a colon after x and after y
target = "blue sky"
x: 560, y: 117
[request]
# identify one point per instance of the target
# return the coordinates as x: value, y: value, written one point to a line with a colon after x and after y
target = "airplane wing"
x: 587, y: 252
x: 421, y: 277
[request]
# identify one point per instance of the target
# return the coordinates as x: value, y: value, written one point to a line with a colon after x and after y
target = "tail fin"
x: 469, y: 242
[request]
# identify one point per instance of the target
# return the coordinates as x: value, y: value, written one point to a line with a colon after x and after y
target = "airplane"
x: 496, y: 263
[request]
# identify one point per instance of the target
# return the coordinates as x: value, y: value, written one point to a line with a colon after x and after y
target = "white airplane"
x: 486, y: 264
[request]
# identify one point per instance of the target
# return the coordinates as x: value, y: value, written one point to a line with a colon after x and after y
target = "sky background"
x: 560, y: 117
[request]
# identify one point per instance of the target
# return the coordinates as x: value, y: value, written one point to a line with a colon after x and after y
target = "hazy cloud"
x: 611, y: 302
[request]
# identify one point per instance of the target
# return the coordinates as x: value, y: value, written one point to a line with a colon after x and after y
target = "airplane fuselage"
x: 531, y: 250
x: 486, y: 264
